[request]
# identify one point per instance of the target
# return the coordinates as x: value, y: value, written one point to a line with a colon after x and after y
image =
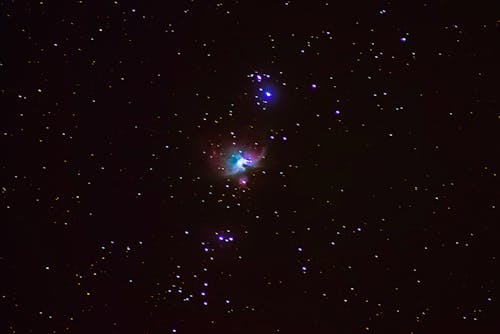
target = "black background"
x: 420, y: 182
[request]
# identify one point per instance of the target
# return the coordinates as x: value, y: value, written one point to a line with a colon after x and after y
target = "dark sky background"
x: 373, y: 207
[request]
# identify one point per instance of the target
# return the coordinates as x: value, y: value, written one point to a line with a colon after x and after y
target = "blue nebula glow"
x: 238, y: 163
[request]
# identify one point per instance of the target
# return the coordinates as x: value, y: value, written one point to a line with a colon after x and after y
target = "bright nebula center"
x: 238, y: 162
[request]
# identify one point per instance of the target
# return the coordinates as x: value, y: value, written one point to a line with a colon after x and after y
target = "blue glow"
x: 268, y: 94
x: 237, y: 163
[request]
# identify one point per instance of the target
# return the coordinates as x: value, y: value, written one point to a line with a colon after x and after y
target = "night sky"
x: 249, y: 167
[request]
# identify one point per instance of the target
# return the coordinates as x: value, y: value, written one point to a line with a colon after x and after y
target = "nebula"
x: 236, y: 162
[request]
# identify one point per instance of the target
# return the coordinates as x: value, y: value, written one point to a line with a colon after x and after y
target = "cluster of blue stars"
x: 265, y: 94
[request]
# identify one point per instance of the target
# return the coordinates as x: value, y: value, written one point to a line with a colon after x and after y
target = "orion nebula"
x: 236, y: 162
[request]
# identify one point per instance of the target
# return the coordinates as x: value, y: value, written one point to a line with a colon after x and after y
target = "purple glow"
x: 337, y: 112
x: 268, y: 94
x: 403, y: 39
x: 314, y: 86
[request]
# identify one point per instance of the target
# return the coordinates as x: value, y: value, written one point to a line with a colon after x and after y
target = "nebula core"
x: 240, y: 161
x: 237, y: 162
